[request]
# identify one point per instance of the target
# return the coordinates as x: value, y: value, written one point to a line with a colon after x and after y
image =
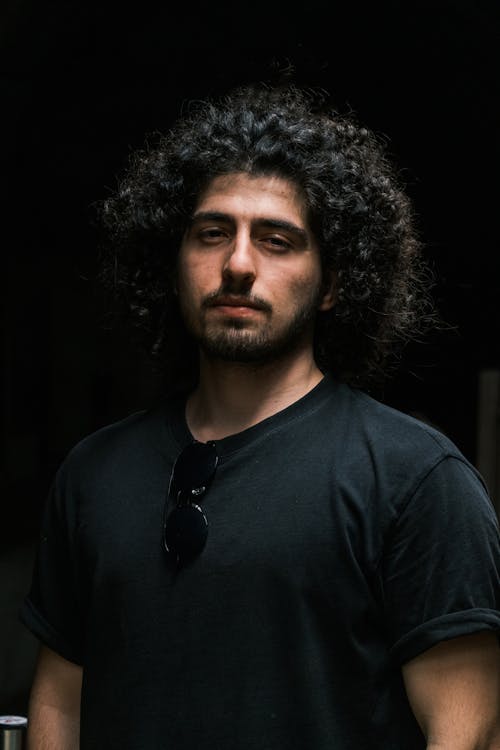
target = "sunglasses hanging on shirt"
x: 185, y: 525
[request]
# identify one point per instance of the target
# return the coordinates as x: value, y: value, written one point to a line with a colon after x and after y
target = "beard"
x: 233, y: 340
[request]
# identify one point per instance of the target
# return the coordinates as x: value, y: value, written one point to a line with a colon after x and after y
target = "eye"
x: 211, y: 235
x: 277, y: 243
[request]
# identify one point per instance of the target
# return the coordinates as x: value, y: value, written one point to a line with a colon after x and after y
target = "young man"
x: 269, y: 558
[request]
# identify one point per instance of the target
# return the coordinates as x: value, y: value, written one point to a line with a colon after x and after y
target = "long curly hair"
x: 359, y: 213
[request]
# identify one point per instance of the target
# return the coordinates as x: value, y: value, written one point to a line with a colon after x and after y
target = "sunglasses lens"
x: 186, y: 531
x: 195, y: 466
x: 186, y: 527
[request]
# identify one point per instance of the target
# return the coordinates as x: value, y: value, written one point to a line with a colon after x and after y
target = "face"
x: 249, y: 272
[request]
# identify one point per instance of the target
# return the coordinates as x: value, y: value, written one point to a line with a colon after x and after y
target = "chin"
x: 249, y: 349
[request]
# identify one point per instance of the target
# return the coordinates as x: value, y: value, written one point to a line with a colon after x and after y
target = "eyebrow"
x: 264, y: 222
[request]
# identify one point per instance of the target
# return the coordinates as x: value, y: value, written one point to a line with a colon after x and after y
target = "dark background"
x: 82, y: 86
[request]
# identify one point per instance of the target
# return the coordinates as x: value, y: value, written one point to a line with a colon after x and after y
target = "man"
x: 269, y: 557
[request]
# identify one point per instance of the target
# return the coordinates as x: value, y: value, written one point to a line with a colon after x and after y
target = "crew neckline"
x: 305, y: 404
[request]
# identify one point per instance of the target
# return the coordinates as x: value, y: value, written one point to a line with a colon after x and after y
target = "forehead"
x: 246, y: 196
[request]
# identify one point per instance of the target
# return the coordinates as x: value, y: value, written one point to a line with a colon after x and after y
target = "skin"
x: 454, y: 691
x: 241, y: 280
x: 248, y: 266
x: 54, y: 709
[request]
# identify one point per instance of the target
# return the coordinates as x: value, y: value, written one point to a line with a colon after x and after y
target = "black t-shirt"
x: 344, y: 538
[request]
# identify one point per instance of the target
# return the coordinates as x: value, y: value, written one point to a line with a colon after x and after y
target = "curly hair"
x: 359, y: 213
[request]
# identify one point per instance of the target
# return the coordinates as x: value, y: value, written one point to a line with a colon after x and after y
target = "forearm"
x: 49, y: 728
x: 490, y: 743
x: 465, y: 738
x: 468, y: 746
x: 54, y: 707
x: 454, y: 691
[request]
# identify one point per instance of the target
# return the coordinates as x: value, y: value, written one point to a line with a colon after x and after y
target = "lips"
x: 235, y: 301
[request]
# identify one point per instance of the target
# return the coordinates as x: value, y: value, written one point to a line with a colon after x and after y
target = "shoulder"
x: 392, y: 450
x: 133, y: 440
x: 391, y: 430
x: 120, y: 434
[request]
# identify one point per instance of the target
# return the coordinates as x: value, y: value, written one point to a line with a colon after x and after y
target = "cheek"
x: 301, y: 286
x: 187, y: 278
x: 185, y: 288
x: 195, y: 274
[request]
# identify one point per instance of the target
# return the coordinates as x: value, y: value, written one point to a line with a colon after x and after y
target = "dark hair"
x: 360, y: 215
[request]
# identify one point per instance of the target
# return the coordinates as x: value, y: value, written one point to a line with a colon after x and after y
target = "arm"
x: 454, y: 692
x: 54, y: 709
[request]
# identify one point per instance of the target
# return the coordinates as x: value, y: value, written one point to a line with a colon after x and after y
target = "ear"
x: 329, y: 296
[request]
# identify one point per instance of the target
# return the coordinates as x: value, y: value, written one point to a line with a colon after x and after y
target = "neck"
x: 232, y: 396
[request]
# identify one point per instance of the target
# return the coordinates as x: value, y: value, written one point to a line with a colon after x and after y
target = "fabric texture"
x: 344, y: 539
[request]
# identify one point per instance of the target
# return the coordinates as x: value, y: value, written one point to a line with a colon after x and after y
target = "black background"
x: 83, y: 84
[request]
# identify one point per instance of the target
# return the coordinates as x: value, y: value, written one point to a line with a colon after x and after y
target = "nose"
x: 239, y: 266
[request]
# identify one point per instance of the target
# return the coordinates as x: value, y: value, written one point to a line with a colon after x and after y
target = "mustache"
x: 224, y: 297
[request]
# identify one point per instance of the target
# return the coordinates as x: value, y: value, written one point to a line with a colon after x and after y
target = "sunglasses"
x: 185, y: 526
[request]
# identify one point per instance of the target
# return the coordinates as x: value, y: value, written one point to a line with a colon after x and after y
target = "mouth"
x: 234, y: 303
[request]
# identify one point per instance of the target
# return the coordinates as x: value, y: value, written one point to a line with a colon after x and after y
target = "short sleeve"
x: 440, y: 572
x: 50, y: 610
